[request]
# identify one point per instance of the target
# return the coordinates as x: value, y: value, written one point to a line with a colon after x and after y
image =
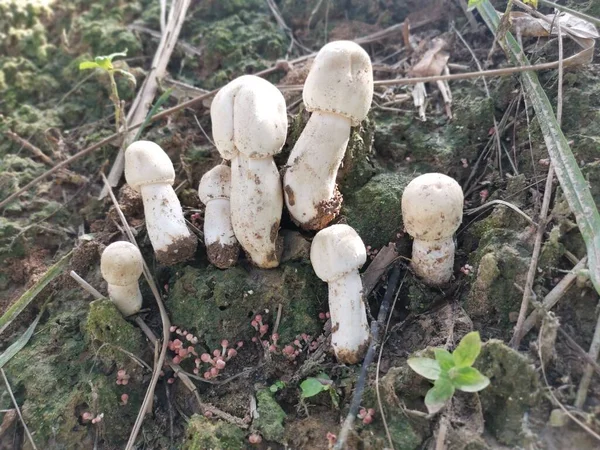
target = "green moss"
x: 513, y: 391
x: 219, y: 304
x: 358, y: 164
x: 106, y: 325
x: 552, y: 250
x: 374, y: 210
x: 271, y: 416
x: 202, y: 434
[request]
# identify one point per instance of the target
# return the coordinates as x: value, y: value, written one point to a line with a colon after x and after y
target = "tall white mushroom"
x: 249, y: 126
x: 432, y: 208
x: 214, y: 191
x: 336, y: 254
x: 121, y: 265
x: 338, y: 91
x: 149, y: 170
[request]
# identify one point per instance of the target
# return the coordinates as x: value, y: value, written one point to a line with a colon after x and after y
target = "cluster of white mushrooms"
x: 244, y: 198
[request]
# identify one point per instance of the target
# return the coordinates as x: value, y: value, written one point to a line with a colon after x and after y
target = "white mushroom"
x: 121, y: 265
x: 149, y: 170
x: 432, y: 208
x: 338, y: 91
x: 214, y: 190
x: 336, y: 254
x: 249, y: 125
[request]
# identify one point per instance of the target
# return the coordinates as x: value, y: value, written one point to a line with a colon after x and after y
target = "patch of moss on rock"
x: 374, y: 210
x: 513, y: 390
x: 219, y: 304
x: 106, y: 325
x: 358, y: 165
x: 202, y: 434
x: 271, y: 416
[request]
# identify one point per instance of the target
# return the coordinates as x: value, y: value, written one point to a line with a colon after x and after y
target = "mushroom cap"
x: 340, y: 81
x: 336, y: 251
x: 249, y: 115
x: 432, y: 207
x: 121, y: 263
x: 214, y: 184
x: 147, y: 163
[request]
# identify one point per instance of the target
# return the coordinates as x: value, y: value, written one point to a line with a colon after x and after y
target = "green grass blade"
x: 19, y: 343
x: 572, y: 182
x: 31, y: 293
x: 163, y: 98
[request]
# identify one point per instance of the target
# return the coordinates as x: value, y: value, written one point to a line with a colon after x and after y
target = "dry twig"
x: 12, y: 397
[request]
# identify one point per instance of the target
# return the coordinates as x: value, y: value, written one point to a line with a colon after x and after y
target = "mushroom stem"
x: 256, y: 205
x: 433, y: 260
x: 314, y: 161
x: 127, y: 299
x: 217, y: 225
x: 165, y: 223
x: 349, y: 326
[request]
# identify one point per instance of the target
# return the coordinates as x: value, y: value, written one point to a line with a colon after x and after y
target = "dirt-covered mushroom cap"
x: 147, y: 163
x: 121, y: 263
x: 336, y: 251
x: 259, y: 126
x: 432, y: 207
x: 215, y: 184
x: 340, y: 81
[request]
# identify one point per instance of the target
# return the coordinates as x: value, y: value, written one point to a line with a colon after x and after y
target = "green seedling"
x: 277, y: 386
x: 451, y: 371
x: 315, y: 385
x: 104, y: 63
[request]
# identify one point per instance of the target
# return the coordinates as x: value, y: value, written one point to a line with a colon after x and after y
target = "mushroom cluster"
x: 250, y: 126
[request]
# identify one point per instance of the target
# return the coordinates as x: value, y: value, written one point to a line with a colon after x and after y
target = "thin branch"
x: 375, y: 340
x: 12, y: 397
x: 85, y: 285
x: 28, y: 145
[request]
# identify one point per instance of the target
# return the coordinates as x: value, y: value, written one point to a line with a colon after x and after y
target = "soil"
x: 274, y: 321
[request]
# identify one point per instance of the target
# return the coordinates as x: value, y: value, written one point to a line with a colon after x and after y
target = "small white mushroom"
x: 336, y: 254
x: 222, y: 246
x: 121, y: 265
x: 149, y: 170
x: 432, y: 208
x: 338, y: 91
x: 249, y: 126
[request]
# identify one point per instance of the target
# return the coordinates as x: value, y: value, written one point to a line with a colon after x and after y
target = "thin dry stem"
x: 12, y: 397
x: 85, y: 285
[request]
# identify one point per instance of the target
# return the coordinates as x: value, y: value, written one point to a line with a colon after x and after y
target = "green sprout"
x: 315, y: 385
x: 451, y: 371
x: 105, y: 63
x: 277, y: 386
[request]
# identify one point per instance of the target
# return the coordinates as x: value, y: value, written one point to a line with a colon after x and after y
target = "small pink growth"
x: 484, y: 194
x: 125, y: 381
x: 240, y: 344
x: 254, y: 339
x: 220, y: 364
x: 97, y: 419
x: 371, y: 411
x: 297, y: 343
x: 173, y: 328
x: 214, y: 372
x: 217, y: 353
x: 231, y: 353
x: 205, y: 357
x: 208, y: 414
x: 263, y: 330
x: 196, y: 371
x: 322, y: 316
x: 124, y: 399
x: 258, y: 318
x: 272, y: 348
x: 367, y: 419
x: 119, y: 381
x: 332, y: 438
x: 183, y: 352
x: 255, y: 438
x: 327, y: 314
x: 189, y: 337
x: 171, y: 380
x: 225, y: 343
x: 86, y: 416
x: 207, y: 375
x: 176, y: 359
x: 177, y: 343
x: 254, y: 324
x: 121, y: 373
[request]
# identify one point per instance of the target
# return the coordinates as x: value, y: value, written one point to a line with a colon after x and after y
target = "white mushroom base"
x: 221, y: 244
x: 433, y: 261
x: 256, y: 207
x: 349, y: 327
x: 168, y: 232
x: 127, y: 299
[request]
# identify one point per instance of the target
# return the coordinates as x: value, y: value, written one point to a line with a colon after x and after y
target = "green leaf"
x: 468, y: 350
x: 278, y: 385
x: 19, y: 343
x: 574, y: 185
x: 163, y: 98
x: 426, y: 367
x: 469, y: 379
x: 311, y: 387
x: 104, y: 63
x: 445, y: 358
x: 439, y: 394
x: 88, y: 65
x: 17, y: 307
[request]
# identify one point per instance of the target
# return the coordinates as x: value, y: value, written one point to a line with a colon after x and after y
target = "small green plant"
x: 105, y: 63
x: 451, y: 371
x: 315, y: 385
x: 277, y: 386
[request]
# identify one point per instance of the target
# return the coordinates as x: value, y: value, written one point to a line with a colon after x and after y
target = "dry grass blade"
x: 516, y: 209
x: 21, y: 342
x: 12, y: 397
x: 165, y: 324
